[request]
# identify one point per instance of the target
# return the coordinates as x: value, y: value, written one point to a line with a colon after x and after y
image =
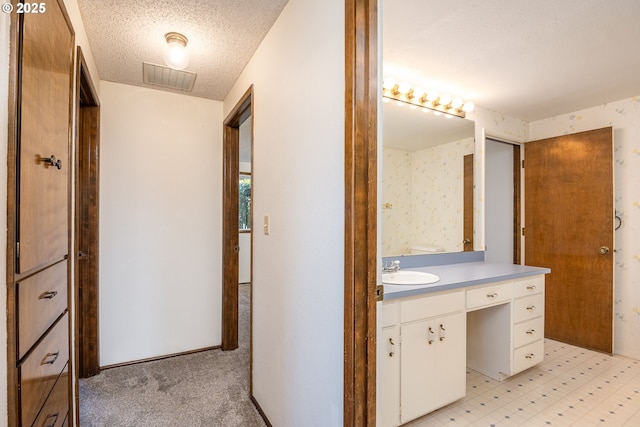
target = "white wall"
x: 4, y: 99
x: 298, y: 77
x: 624, y: 116
x: 160, y: 223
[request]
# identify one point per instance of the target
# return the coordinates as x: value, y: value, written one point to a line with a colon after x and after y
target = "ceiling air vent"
x: 158, y: 75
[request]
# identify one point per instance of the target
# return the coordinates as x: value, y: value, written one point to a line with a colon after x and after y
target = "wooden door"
x: 568, y: 197
x: 44, y: 140
x: 467, y: 238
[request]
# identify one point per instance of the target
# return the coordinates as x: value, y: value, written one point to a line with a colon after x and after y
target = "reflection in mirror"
x: 423, y: 191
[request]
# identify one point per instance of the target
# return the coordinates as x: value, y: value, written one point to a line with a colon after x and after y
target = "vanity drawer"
x: 489, y: 295
x: 529, y: 286
x: 41, y: 300
x: 40, y: 370
x: 389, y: 315
x: 424, y: 307
x: 55, y: 410
x: 528, y: 307
x: 527, y: 332
x: 527, y: 356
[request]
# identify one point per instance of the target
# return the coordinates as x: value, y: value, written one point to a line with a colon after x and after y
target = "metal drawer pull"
x: 531, y: 288
x: 531, y: 331
x: 530, y: 356
x: 430, y: 340
x: 391, y: 353
x: 442, y: 331
x: 493, y: 295
x: 51, y: 358
x: 51, y: 420
x: 531, y: 307
x: 51, y: 161
x: 49, y: 295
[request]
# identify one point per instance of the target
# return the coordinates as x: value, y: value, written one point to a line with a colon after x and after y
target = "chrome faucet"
x: 391, y: 266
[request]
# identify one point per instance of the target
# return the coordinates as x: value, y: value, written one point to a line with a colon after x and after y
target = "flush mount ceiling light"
x: 403, y: 92
x: 175, y: 52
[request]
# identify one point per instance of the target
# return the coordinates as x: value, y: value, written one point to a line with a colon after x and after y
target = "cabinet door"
x: 417, y: 376
x: 44, y: 139
x: 388, y: 382
x: 451, y: 358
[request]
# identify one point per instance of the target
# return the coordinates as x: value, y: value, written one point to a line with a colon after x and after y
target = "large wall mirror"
x: 425, y: 202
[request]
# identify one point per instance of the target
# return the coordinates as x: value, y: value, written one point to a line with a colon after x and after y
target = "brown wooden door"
x: 467, y: 238
x: 569, y: 228
x: 44, y: 134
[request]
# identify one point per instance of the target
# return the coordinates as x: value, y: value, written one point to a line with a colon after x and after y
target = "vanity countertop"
x: 461, y: 275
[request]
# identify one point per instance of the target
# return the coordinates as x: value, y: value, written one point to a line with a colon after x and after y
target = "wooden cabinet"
x: 422, y: 356
x: 38, y: 219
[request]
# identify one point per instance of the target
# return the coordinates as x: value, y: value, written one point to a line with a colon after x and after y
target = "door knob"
x: 466, y: 241
x: 603, y: 250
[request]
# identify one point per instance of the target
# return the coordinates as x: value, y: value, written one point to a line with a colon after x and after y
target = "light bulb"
x: 445, y: 100
x: 175, y: 52
x: 418, y: 93
x: 468, y: 107
x: 456, y: 103
x: 388, y: 83
x: 432, y: 96
x: 404, y: 88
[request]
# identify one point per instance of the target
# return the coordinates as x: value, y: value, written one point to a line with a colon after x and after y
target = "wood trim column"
x: 361, y: 110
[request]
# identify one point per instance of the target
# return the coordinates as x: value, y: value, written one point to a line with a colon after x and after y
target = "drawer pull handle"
x: 493, y: 295
x: 430, y: 338
x: 530, y: 356
x: 442, y: 332
x: 49, y: 295
x: 51, y: 358
x: 531, y: 331
x: 391, y: 353
x: 51, y: 420
x: 51, y: 161
x: 531, y: 288
x: 531, y: 307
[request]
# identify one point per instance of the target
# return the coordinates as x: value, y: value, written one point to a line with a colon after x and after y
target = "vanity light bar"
x: 432, y: 100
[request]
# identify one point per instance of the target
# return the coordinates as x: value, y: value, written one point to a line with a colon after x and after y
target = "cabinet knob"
x: 603, y: 250
x: 530, y: 356
x: 531, y: 331
x: 531, y: 288
x: 531, y: 307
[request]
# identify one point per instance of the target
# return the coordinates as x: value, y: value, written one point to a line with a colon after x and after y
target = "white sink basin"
x: 406, y: 277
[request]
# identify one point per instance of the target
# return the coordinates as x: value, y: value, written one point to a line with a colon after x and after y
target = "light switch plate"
x: 267, y: 225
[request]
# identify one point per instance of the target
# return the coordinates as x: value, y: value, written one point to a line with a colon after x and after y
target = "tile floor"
x: 571, y: 387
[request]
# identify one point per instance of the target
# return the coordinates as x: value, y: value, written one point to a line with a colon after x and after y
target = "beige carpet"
x: 210, y: 388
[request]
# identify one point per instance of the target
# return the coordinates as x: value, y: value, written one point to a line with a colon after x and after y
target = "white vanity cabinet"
x: 427, y: 369
x: 505, y: 335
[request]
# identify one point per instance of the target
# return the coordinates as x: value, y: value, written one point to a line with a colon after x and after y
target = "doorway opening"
x: 502, y: 201
x: 237, y: 126
x: 86, y: 222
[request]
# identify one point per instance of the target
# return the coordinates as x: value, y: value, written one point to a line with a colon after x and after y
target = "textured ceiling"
x: 528, y: 59
x: 223, y: 34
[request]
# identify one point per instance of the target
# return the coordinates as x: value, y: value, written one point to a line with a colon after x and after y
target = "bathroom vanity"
x: 485, y: 316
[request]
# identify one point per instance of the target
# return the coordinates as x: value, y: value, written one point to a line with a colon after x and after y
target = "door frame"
x: 242, y: 111
x: 86, y: 242
x: 361, y: 214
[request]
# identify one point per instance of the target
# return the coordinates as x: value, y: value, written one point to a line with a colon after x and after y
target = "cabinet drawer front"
x: 528, y: 307
x: 55, y: 410
x: 529, y: 286
x: 41, y: 300
x: 389, y: 315
x: 40, y: 370
x: 528, y: 332
x: 489, y: 295
x: 527, y: 356
x: 429, y: 306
